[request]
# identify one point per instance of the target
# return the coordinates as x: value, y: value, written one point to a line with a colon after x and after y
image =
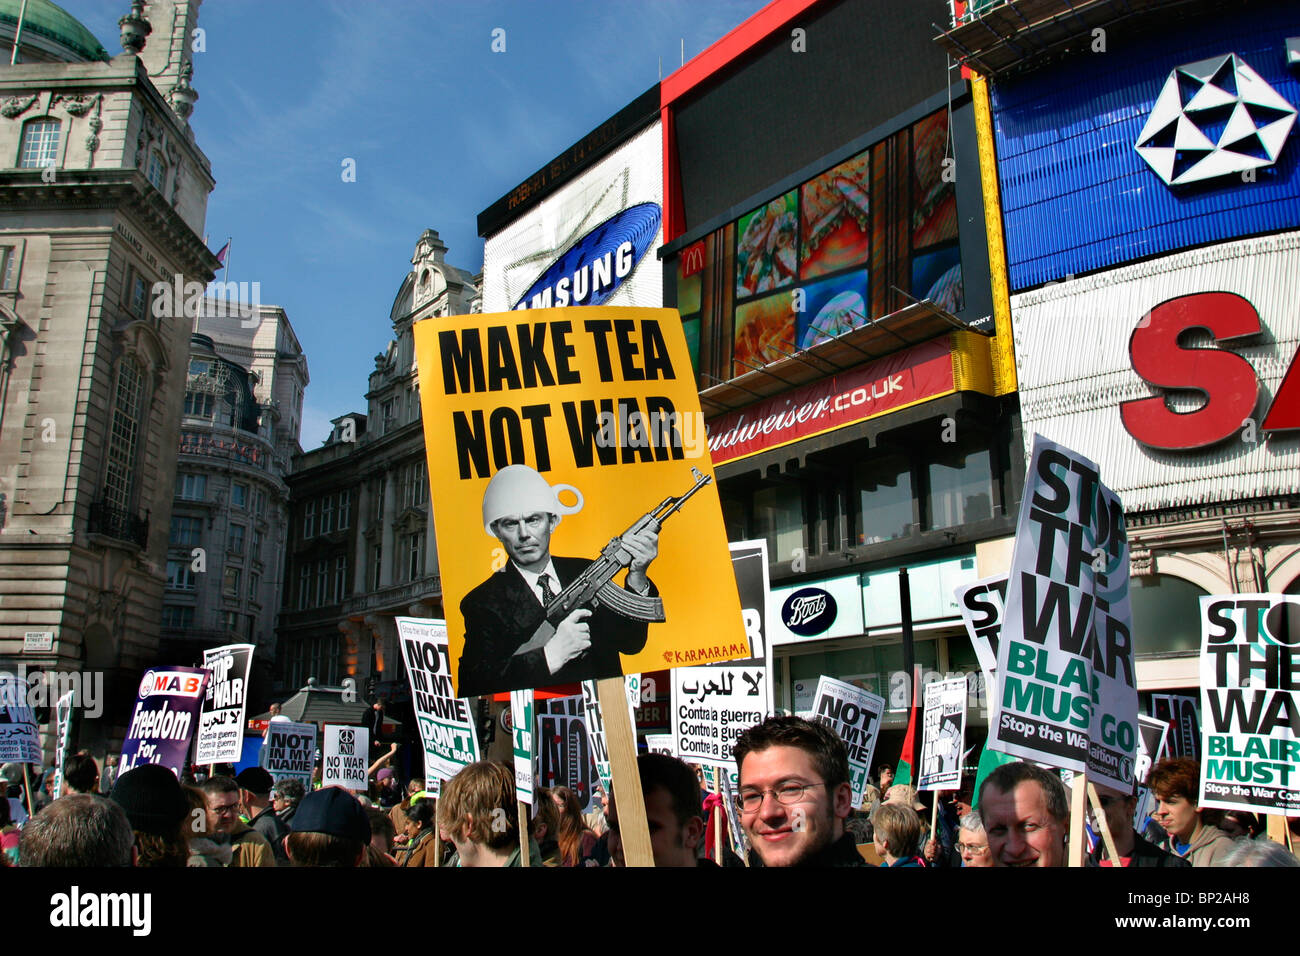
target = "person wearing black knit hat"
x: 330, y: 829
x: 159, y: 811
x: 255, y: 786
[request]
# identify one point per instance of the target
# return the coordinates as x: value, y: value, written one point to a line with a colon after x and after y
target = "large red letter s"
x: 1227, y: 380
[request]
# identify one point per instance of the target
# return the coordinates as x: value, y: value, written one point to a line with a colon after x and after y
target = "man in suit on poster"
x: 503, y: 650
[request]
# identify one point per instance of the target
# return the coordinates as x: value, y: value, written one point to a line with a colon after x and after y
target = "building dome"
x: 50, y: 34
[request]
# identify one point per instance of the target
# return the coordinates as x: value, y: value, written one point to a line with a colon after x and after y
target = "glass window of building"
x: 157, y: 170
x: 322, y: 582
x: 40, y: 144
x: 186, y: 532
x: 238, y: 495
x: 327, y: 514
x: 192, y: 487
x: 230, y: 581
x: 232, y: 621
x: 304, y: 586
x: 778, y: 517
x: 8, y: 267
x: 199, y: 405
x: 256, y: 552
x: 177, y: 617
x: 340, y: 578
x: 235, y: 541
x: 882, y: 490
x: 1166, y: 614
x: 309, y: 520
x: 180, y: 576
x: 414, y: 552
x: 376, y: 566
x: 254, y: 585
x: 119, y: 481
x: 137, y: 294
x: 345, y: 509
x: 960, y: 483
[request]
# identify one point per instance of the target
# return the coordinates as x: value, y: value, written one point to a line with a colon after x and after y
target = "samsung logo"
x: 808, y: 611
x: 589, y: 271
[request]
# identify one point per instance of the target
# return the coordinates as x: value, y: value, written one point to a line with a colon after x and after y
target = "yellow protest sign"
x: 580, y: 534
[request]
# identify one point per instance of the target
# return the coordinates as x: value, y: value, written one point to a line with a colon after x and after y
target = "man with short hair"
x: 255, y: 786
x: 333, y: 830
x: 505, y: 620
x: 1026, y: 814
x: 285, y: 797
x: 1131, y: 848
x: 477, y: 814
x: 973, y: 842
x: 78, y: 830
x: 795, y: 794
x: 248, y: 847
x: 673, y: 810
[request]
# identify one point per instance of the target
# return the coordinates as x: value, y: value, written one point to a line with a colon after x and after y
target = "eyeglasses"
x: 532, y: 522
x: 971, y: 848
x: 788, y: 794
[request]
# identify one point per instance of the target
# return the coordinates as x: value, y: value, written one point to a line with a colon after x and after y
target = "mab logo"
x: 1227, y: 380
x: 171, y: 684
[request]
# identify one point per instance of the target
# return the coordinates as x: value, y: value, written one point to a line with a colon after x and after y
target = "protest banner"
x: 1152, y: 734
x: 855, y: 714
x: 1251, y: 702
x: 982, y: 606
x: 19, y: 742
x: 596, y: 724
x: 659, y: 744
x: 1067, y: 696
x: 711, y: 707
x: 446, y: 721
x: 221, y: 719
x: 540, y: 416
x: 523, y: 729
x: 1180, y: 712
x: 344, y: 757
x: 165, y: 718
x: 564, y: 749
x: 749, y: 563
x: 943, y: 735
x: 62, y: 737
x: 289, y: 751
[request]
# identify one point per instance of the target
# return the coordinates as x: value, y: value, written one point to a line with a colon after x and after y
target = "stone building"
x: 239, y: 434
x: 361, y: 544
x: 103, y: 194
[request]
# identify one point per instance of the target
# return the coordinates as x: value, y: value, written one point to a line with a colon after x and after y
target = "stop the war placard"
x: 18, y: 730
x: 1067, y: 696
x: 165, y: 718
x: 446, y: 722
x: 982, y: 606
x: 221, y: 720
x: 1250, y: 702
x: 289, y: 751
x: 712, y: 706
x: 943, y: 735
x: 343, y: 758
x: 564, y: 749
x: 552, y: 434
x: 855, y: 714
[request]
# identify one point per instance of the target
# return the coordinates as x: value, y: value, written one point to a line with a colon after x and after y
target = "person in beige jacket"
x: 248, y: 847
x: 1175, y: 783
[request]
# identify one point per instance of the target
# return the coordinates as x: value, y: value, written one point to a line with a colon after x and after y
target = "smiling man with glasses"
x: 795, y: 795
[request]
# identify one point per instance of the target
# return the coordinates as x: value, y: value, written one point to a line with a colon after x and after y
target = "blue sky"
x: 439, y: 125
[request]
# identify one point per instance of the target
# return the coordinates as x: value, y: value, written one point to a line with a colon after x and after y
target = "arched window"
x: 40, y: 146
x: 124, y: 436
x: 157, y: 170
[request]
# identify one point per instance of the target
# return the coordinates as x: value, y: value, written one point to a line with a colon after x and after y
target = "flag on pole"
x: 903, y: 773
x: 221, y: 254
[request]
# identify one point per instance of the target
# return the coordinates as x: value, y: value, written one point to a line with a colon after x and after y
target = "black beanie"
x: 152, y: 798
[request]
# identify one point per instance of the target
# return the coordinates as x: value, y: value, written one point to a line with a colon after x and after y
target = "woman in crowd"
x: 897, y: 831
x: 1175, y: 783
x: 419, y: 847
x: 546, y: 826
x: 574, y: 837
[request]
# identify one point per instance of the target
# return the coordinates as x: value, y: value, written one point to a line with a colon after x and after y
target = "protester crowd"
x: 794, y: 805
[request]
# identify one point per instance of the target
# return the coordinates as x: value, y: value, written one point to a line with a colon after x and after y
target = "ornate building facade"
x: 361, y: 544
x: 103, y: 195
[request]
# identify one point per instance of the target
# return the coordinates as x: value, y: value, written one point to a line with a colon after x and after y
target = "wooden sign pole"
x: 1276, y: 828
x: 1077, y: 846
x: 1099, y: 815
x: 719, y: 816
x: 27, y: 789
x: 625, y: 777
x: 934, y: 821
x: 437, y: 845
x: 523, y: 833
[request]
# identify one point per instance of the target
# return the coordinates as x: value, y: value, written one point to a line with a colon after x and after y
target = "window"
x: 960, y: 484
x: 186, y: 531
x: 40, y: 144
x: 254, y: 585
x: 376, y: 566
x: 256, y: 552
x: 340, y: 578
x: 192, y: 487
x: 778, y: 517
x: 390, y: 414
x: 322, y: 582
x: 198, y: 405
x: 119, y: 482
x: 157, y: 170
x: 8, y: 267
x: 259, y: 502
x: 309, y: 520
x: 345, y: 509
x: 180, y: 576
x: 136, y: 293
x: 238, y: 495
x: 200, y: 367
x: 235, y: 542
x: 882, y: 491
x: 231, y: 619
x: 304, y: 585
x: 230, y: 582
x: 327, y: 514
x: 177, y: 617
x: 414, y: 551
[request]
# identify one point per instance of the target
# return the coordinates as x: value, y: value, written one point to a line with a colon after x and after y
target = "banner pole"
x: 719, y: 816
x: 27, y: 787
x: 1100, y: 815
x: 1276, y: 829
x: 523, y: 834
x: 1078, y: 805
x: 624, y: 775
x: 934, y: 821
